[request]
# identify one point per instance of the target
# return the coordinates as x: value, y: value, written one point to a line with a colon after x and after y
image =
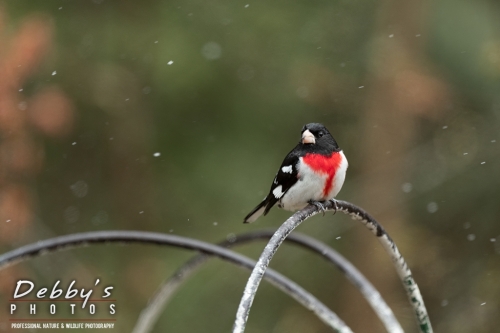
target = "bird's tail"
x: 256, y: 212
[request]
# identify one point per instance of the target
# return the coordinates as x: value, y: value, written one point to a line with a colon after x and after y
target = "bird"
x: 313, y: 172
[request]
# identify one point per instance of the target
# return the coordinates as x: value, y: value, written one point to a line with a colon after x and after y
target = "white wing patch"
x: 277, y: 192
x: 287, y: 169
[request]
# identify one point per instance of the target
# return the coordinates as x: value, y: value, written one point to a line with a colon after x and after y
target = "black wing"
x: 286, y: 177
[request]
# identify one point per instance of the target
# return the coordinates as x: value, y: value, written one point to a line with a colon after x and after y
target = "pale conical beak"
x: 308, y: 137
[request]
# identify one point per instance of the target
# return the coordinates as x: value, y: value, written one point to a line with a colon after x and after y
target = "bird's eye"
x: 320, y: 134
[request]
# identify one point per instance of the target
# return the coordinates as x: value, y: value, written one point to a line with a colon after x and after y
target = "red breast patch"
x: 326, y: 165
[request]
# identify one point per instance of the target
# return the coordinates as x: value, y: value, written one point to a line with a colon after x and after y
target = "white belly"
x: 339, y: 178
x: 310, y: 186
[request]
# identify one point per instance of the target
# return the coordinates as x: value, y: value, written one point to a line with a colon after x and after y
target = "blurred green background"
x: 173, y: 116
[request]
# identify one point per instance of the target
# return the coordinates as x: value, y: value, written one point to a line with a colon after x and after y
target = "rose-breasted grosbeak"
x: 312, y: 172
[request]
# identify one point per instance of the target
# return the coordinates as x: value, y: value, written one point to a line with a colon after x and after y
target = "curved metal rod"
x: 83, y: 239
x: 357, y: 213
x: 162, y: 296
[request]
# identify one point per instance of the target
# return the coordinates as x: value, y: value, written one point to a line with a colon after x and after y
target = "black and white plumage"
x: 313, y: 171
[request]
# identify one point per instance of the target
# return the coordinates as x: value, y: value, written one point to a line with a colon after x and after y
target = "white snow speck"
x: 444, y: 302
x: 277, y: 192
x: 407, y: 187
x: 60, y: 8
x: 287, y: 169
x: 74, y: 143
x: 483, y: 303
x: 141, y: 212
x: 432, y: 207
x: 79, y: 189
x: 71, y: 214
x: 493, y: 240
x: 215, y: 223
x: 466, y: 153
x: 338, y: 237
x: 100, y: 218
x: 22, y: 105
x: 7, y: 221
x: 127, y: 99
x: 391, y: 35
x: 361, y: 87
x: 157, y: 154
x: 483, y: 162
x: 156, y: 42
x: 471, y: 237
x: 493, y: 141
x: 20, y: 89
x: 417, y: 35
x: 445, y: 127
x: 211, y: 51
x: 170, y: 62
x: 247, y: 5
x: 54, y: 73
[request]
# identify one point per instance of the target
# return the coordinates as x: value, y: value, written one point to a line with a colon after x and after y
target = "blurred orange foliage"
x: 49, y: 112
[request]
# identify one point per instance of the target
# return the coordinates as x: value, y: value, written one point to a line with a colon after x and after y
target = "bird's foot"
x: 319, y: 205
x: 335, y: 205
